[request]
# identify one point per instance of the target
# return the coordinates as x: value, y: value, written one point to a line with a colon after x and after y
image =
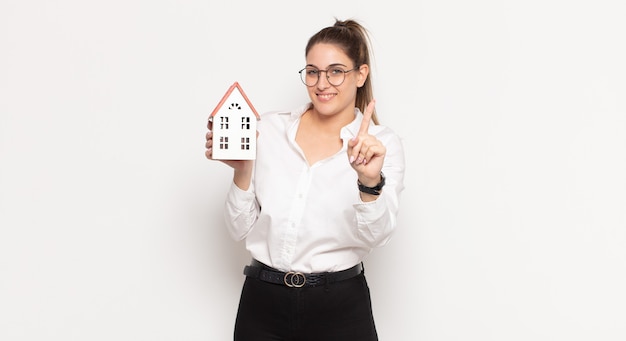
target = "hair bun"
x: 341, y: 24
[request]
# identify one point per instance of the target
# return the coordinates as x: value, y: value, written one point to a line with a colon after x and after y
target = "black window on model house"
x: 245, y: 123
x: 245, y: 143
x: 224, y: 142
x: 223, y: 122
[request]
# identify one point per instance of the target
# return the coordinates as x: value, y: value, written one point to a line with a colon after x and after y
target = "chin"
x: 325, y: 108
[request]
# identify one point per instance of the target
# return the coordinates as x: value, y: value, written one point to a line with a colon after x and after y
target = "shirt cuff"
x: 370, y: 210
x: 236, y: 196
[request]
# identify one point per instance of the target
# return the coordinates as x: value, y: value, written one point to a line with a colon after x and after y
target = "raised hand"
x: 365, y: 152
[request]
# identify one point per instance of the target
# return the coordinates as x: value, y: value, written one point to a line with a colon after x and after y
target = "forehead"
x: 322, y: 55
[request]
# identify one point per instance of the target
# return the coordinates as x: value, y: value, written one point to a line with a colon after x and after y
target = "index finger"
x: 367, y: 117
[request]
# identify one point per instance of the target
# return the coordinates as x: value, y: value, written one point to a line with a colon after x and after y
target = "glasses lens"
x: 309, y: 76
x: 336, y: 76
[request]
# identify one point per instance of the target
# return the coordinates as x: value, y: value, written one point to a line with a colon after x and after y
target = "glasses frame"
x: 319, y: 75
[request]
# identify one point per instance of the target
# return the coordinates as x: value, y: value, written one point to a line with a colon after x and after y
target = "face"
x: 329, y: 99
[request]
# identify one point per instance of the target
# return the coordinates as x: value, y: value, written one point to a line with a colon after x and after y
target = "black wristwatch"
x: 373, y: 190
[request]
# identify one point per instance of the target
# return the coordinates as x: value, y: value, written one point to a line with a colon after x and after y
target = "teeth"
x: 328, y: 96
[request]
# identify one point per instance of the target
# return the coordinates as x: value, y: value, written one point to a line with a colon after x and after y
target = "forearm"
x: 241, y: 211
x: 242, y: 176
x: 376, y: 220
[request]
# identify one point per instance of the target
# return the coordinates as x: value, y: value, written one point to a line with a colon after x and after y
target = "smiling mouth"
x: 325, y: 96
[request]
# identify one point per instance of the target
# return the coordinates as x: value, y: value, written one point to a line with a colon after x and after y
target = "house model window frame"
x: 234, y: 126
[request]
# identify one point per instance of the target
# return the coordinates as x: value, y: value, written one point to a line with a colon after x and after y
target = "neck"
x: 329, y: 123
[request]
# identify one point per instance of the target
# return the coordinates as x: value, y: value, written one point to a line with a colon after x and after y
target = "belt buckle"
x: 294, y: 279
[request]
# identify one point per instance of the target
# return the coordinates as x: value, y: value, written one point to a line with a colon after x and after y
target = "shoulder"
x: 276, y: 114
x: 281, y: 116
x: 385, y: 134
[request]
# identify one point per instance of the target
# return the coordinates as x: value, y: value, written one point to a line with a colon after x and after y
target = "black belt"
x: 295, y: 279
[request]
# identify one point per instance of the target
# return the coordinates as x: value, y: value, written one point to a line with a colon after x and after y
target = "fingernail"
x: 351, y: 158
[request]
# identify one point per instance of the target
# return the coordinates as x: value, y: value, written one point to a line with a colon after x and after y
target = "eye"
x: 336, y: 71
x: 312, y: 72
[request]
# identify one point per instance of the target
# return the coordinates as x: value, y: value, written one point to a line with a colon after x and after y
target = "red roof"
x: 230, y: 90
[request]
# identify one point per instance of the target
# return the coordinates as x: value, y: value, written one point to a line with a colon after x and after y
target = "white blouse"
x: 310, y: 218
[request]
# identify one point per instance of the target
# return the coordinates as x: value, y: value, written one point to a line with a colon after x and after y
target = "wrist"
x: 373, y: 189
x: 242, y: 177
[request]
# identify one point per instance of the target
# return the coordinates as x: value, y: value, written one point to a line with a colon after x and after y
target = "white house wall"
x: 230, y: 126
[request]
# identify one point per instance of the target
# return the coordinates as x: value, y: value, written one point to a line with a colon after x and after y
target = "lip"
x: 325, y: 97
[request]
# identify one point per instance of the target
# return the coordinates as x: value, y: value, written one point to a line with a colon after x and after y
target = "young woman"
x: 321, y: 194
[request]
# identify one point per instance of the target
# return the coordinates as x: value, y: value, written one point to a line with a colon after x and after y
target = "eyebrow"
x: 329, y: 66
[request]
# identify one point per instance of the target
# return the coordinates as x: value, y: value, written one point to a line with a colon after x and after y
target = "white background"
x: 513, y: 113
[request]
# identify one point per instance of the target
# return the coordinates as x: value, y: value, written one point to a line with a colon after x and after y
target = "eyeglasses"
x: 334, y: 74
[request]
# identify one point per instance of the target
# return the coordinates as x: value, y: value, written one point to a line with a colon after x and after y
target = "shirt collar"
x: 352, y: 129
x: 347, y: 132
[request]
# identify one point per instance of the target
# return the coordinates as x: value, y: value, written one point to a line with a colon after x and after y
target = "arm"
x: 370, y: 155
x: 241, y: 208
x: 377, y: 219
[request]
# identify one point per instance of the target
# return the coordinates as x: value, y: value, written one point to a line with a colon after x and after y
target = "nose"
x: 322, y: 82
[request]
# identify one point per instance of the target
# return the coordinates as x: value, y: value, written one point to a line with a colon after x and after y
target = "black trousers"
x: 337, y: 311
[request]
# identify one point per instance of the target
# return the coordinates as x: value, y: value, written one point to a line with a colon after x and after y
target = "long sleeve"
x: 377, y: 220
x: 240, y: 212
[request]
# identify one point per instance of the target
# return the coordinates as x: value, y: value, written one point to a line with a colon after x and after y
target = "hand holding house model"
x: 234, y: 126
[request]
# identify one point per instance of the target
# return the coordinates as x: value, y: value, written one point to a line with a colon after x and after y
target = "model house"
x: 234, y: 126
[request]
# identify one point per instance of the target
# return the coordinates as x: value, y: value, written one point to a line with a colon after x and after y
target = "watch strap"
x: 373, y: 190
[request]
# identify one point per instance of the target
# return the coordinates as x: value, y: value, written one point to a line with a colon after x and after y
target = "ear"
x: 364, y: 71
